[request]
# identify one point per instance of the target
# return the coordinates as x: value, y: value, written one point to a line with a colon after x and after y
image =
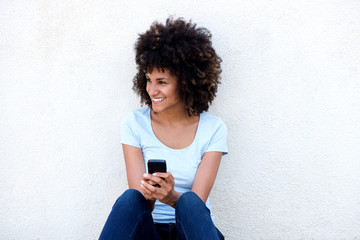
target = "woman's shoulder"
x: 210, y: 119
x: 137, y: 116
x: 137, y: 113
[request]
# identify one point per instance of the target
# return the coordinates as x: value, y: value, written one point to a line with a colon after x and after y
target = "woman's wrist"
x: 175, y: 197
x: 151, y: 204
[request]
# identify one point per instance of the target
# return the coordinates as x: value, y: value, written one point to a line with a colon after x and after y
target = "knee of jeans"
x: 132, y: 196
x: 187, y: 200
x: 133, y: 193
x: 188, y: 196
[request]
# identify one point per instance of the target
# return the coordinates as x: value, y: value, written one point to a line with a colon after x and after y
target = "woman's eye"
x: 162, y: 82
x: 148, y: 79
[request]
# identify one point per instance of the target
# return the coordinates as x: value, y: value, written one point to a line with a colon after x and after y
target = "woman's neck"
x: 176, y: 117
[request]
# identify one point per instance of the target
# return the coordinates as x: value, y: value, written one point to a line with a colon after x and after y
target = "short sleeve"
x: 128, y: 134
x: 218, y: 141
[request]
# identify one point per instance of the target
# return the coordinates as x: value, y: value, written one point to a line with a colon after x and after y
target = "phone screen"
x: 156, y: 165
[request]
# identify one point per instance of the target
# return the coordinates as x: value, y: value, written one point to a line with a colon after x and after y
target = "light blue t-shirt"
x: 136, y: 130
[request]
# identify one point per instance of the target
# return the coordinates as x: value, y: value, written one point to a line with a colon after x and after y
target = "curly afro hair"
x: 186, y: 51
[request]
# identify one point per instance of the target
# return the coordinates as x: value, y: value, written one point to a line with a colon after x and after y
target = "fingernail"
x: 145, y: 175
x: 142, y: 181
x: 154, y: 174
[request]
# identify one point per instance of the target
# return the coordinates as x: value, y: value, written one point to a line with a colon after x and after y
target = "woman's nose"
x: 152, y: 89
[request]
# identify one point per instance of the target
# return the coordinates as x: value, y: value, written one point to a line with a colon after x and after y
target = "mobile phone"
x: 156, y: 165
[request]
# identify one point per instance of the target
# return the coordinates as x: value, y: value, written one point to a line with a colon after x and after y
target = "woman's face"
x: 162, y: 89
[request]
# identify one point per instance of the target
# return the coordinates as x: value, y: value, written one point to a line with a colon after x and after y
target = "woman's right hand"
x: 151, y: 200
x: 148, y: 181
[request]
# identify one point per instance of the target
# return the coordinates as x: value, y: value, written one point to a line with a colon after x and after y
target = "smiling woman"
x: 178, y: 75
x: 161, y: 87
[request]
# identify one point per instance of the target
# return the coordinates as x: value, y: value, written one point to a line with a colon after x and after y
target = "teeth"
x: 158, y: 99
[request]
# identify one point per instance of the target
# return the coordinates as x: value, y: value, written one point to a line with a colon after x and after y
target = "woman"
x: 178, y: 76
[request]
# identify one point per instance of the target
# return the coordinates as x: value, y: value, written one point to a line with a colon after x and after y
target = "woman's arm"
x: 135, y: 169
x: 206, y: 174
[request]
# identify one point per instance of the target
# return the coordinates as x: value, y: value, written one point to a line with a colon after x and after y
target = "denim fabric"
x: 193, y: 219
x: 131, y: 218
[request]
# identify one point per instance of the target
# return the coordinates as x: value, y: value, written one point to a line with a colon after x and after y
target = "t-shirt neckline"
x: 164, y: 145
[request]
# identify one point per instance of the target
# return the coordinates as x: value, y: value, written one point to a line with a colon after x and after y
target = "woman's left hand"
x: 165, y: 193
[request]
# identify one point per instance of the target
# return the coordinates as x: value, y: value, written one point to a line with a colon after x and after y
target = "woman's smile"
x: 158, y: 100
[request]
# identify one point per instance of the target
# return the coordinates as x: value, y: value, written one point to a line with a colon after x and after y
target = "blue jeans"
x: 131, y: 218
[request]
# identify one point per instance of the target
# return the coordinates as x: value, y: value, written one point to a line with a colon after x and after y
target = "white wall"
x: 290, y: 97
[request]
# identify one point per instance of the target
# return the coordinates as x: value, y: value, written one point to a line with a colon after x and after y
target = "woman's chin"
x: 155, y: 109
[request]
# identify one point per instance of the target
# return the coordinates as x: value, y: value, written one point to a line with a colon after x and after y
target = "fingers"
x: 147, y: 190
x: 168, y: 177
x: 154, y: 179
x: 151, y: 182
x: 164, y: 180
x: 145, y: 178
x: 162, y: 193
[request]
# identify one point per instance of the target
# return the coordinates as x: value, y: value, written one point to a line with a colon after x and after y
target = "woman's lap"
x: 131, y: 218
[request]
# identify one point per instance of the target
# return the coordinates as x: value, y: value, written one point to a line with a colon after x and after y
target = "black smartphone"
x: 156, y: 165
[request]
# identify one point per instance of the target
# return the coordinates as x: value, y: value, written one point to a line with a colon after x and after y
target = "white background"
x: 290, y: 98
